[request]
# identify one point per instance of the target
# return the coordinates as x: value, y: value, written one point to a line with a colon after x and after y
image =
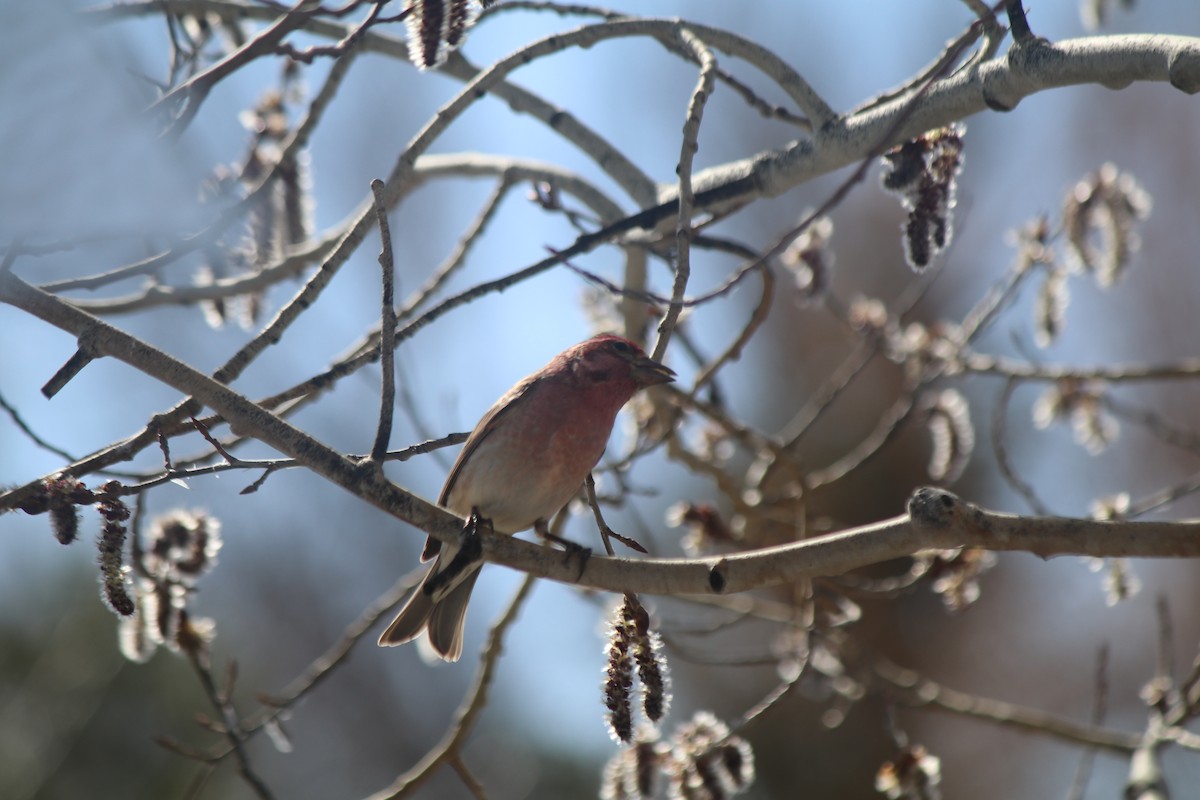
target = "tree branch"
x: 936, y: 519
x: 998, y: 84
x: 450, y: 745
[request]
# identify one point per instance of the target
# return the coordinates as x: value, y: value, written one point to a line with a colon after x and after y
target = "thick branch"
x: 998, y: 84
x: 936, y: 519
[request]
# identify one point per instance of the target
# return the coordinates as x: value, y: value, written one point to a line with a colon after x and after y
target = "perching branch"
x: 936, y: 519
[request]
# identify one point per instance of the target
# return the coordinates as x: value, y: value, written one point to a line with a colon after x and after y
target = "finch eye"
x: 624, y: 348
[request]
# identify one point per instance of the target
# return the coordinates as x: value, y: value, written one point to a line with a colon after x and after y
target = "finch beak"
x: 648, y: 372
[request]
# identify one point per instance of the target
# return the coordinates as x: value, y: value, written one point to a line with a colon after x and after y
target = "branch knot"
x: 931, y: 507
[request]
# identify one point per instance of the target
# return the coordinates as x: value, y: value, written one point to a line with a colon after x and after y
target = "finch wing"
x: 482, y: 430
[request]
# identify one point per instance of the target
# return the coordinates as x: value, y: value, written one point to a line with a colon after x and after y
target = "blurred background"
x: 301, y: 559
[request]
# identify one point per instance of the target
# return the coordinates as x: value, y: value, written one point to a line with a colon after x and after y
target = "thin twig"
x: 458, y: 256
x: 910, y: 688
x: 1164, y: 654
x: 1099, y: 708
x: 1162, y: 429
x: 733, y: 352
x: 986, y: 25
x: 289, y: 150
x: 428, y: 168
x: 192, y: 92
x: 1165, y: 496
x: 772, y: 698
x: 999, y: 431
x: 387, y: 394
x: 29, y: 432
x: 324, y: 665
x: 230, y: 724
x: 1002, y: 366
x: 683, y: 220
x: 887, y: 427
x: 348, y: 41
x: 269, y: 465
x: 470, y: 781
x: 468, y: 711
x: 607, y: 533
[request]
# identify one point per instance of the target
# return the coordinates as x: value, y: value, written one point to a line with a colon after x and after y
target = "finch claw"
x: 570, y: 549
x: 584, y: 553
x: 471, y: 529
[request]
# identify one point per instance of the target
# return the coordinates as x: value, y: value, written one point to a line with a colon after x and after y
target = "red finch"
x: 524, y: 461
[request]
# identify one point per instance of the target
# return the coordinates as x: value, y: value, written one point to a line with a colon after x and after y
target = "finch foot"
x: 570, y: 549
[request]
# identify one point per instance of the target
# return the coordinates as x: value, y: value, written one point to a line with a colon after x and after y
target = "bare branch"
x: 911, y: 688
x: 289, y: 149
x: 683, y: 225
x: 387, y: 327
x: 450, y: 745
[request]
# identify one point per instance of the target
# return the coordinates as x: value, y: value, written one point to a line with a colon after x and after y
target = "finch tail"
x: 411, y: 620
x: 444, y: 618
x: 448, y: 619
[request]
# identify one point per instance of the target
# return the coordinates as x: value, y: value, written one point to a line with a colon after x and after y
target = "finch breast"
x: 534, y: 461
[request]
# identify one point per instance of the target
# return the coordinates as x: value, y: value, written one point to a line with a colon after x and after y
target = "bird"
x: 524, y: 461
